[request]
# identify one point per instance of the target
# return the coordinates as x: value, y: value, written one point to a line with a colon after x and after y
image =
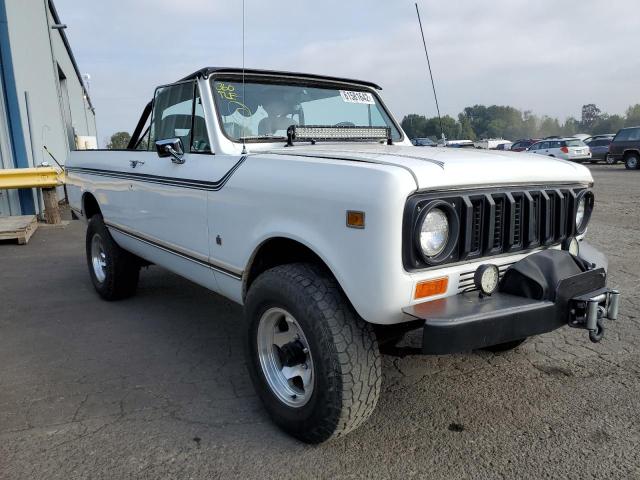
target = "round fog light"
x: 486, y: 278
x: 572, y: 246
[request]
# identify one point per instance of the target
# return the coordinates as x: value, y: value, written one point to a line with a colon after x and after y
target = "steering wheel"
x: 345, y: 124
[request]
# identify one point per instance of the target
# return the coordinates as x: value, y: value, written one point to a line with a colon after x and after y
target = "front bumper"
x: 469, y: 321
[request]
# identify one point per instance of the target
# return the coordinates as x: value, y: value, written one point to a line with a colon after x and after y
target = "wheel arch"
x: 90, y: 205
x: 280, y: 250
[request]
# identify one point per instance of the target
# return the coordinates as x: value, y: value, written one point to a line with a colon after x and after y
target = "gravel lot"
x: 156, y: 387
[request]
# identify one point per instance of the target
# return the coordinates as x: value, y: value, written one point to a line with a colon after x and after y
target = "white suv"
x: 300, y: 197
x: 565, y: 148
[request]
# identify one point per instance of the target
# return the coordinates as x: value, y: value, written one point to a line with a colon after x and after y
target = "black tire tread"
x: 356, y: 361
x: 626, y: 159
x: 123, y: 268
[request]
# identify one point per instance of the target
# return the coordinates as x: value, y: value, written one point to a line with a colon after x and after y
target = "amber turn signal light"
x: 355, y: 219
x: 429, y: 288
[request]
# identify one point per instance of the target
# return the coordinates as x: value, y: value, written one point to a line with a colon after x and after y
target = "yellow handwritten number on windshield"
x: 228, y: 92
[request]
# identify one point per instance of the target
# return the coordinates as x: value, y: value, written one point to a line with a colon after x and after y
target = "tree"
x: 450, y: 127
x: 590, y: 114
x: 119, y: 141
x: 548, y: 126
x: 414, y: 125
x: 608, y: 124
x: 633, y: 116
x: 571, y: 127
x: 466, y: 131
x: 499, y: 121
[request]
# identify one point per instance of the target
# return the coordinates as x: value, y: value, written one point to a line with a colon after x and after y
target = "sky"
x: 547, y: 56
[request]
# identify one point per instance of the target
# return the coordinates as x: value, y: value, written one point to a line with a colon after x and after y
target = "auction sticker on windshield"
x: 357, y: 97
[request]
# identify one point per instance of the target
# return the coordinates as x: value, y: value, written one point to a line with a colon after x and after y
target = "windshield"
x: 266, y: 110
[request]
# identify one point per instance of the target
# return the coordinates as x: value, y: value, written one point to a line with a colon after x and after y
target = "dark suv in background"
x: 626, y: 147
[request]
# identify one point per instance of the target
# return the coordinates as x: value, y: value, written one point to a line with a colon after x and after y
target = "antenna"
x: 244, y: 145
x: 430, y: 74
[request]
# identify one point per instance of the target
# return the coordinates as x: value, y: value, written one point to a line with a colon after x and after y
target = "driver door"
x: 169, y: 201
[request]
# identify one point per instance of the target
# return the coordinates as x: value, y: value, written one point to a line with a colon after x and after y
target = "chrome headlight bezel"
x: 454, y: 231
x: 588, y: 198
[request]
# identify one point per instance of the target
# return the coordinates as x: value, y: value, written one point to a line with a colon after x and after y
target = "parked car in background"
x: 599, y: 147
x: 597, y: 137
x: 566, y: 148
x: 626, y: 147
x: 581, y: 136
x: 460, y: 144
x: 489, y: 143
x: 455, y: 143
x: 522, y: 144
x: 423, y: 142
x: 504, y: 146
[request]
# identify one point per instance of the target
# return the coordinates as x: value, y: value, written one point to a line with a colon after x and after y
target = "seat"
x: 270, y: 125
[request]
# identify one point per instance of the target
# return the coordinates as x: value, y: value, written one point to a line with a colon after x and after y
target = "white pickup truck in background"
x: 301, y: 198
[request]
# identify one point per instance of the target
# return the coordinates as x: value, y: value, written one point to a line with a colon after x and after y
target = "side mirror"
x: 171, y: 147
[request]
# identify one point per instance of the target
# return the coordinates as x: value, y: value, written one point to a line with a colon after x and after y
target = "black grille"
x: 517, y: 220
x: 499, y: 221
x: 476, y: 227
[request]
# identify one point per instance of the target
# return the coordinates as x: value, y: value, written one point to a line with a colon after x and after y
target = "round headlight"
x: 434, y: 232
x: 582, y: 206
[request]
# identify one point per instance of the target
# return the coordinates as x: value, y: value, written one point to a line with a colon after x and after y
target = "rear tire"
x: 114, y: 272
x: 632, y: 161
x: 609, y: 160
x: 333, y: 369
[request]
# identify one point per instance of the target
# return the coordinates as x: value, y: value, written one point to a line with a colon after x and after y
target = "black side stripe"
x: 212, y: 266
x: 170, y: 181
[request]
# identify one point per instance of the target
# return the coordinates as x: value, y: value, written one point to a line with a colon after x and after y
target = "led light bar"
x: 318, y: 133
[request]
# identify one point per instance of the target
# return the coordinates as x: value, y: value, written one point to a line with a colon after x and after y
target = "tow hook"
x: 590, y: 311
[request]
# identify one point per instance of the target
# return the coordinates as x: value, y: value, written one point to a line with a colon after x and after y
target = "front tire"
x: 632, y: 162
x: 314, y: 362
x: 114, y: 272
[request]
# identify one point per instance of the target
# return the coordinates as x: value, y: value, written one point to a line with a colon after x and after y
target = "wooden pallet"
x: 19, y: 228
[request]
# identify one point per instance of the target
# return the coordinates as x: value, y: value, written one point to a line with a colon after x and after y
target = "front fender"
x: 306, y: 200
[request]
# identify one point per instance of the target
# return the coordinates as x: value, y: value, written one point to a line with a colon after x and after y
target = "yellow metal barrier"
x: 43, y: 177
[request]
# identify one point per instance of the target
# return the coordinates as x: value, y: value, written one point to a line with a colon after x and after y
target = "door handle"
x: 135, y: 163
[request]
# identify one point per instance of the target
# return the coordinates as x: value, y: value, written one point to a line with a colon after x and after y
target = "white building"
x: 43, y: 100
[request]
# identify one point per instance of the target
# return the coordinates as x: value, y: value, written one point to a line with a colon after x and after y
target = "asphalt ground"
x: 156, y: 386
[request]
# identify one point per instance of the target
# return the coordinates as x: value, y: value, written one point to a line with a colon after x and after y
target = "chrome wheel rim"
x: 285, y: 357
x: 632, y: 162
x: 609, y: 160
x: 98, y: 258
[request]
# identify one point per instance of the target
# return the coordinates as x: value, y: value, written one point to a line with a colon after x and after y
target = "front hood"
x: 438, y: 168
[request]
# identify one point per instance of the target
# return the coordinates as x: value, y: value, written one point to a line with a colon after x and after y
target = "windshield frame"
x: 297, y: 81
